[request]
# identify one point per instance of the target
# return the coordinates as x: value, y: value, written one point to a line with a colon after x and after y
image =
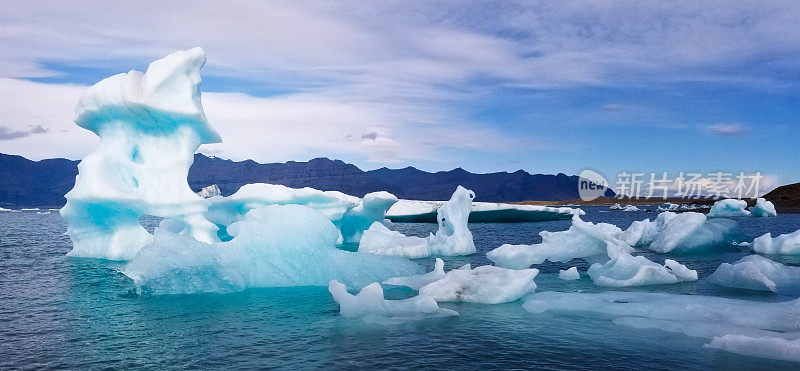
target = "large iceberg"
x: 150, y: 125
x: 788, y: 244
x: 728, y: 207
x: 486, y: 284
x: 273, y: 246
x: 371, y: 209
x: 771, y: 329
x: 763, y: 208
x: 370, y: 304
x: 482, y: 212
x: 452, y: 238
x: 756, y: 272
x: 600, y: 244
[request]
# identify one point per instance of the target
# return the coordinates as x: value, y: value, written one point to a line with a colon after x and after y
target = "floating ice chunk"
x: 668, y: 206
x: 372, y: 209
x: 370, y: 304
x: 485, y: 284
x: 616, y: 207
x: 763, y: 208
x: 418, y: 281
x: 482, y: 212
x: 756, y: 272
x: 225, y: 211
x: 692, y: 232
x: 454, y: 236
x: 380, y: 240
x: 4, y: 209
x: 788, y: 244
x: 625, y: 270
x: 624, y: 208
x: 773, y: 326
x: 762, y: 347
x: 209, y: 191
x: 274, y: 246
x: 569, y: 274
x: 150, y: 125
x: 728, y: 207
x: 594, y: 242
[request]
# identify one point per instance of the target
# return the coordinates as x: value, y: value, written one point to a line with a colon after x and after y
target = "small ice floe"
x: 570, y: 274
x: 486, y: 284
x: 728, y: 208
x: 763, y: 208
x: 787, y: 244
x: 418, y: 281
x: 370, y: 304
x: 756, y: 272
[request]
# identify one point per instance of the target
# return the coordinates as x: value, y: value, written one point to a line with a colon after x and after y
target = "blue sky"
x: 542, y: 86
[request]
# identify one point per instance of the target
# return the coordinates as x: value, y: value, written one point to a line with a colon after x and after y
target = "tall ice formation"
x: 149, y: 124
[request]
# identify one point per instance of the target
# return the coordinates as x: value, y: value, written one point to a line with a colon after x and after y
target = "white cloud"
x: 728, y: 129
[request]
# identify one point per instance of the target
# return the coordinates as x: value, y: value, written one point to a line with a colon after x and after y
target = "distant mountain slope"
x: 35, y: 183
x: 43, y: 183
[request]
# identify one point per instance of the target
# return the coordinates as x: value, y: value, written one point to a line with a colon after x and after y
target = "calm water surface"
x: 59, y: 312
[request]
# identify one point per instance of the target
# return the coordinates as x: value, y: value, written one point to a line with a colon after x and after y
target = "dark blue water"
x: 59, y: 312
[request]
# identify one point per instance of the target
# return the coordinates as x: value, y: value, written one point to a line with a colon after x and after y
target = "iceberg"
x: 624, y: 208
x: 380, y: 240
x: 763, y: 208
x: 788, y: 244
x: 690, y: 232
x: 756, y: 272
x: 731, y: 324
x: 209, y: 191
x: 416, y: 282
x: 486, y: 284
x: 150, y: 125
x: 370, y: 304
x: 592, y: 242
x: 371, y: 209
x: 668, y: 206
x: 224, y: 211
x: 570, y: 274
x: 482, y: 212
x: 273, y: 246
x: 452, y: 238
x: 728, y: 207
x: 600, y: 244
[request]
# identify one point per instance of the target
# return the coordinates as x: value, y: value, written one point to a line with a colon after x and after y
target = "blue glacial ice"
x: 371, y: 209
x: 274, y: 246
x: 689, y: 233
x: 756, y: 272
x: 728, y: 208
x: 369, y: 304
x: 760, y: 329
x: 149, y: 124
x: 787, y: 244
x: 763, y: 208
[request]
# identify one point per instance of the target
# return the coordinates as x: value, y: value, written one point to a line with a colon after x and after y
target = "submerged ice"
x: 370, y: 304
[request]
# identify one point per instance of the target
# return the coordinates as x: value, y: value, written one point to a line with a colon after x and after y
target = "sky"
x: 543, y: 86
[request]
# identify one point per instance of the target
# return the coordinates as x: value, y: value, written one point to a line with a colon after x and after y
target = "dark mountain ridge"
x: 43, y: 183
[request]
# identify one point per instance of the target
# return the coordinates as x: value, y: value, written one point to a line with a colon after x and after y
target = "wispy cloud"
x: 7, y: 133
x: 728, y: 129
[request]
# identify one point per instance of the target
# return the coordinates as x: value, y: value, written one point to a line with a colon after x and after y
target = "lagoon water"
x: 59, y: 312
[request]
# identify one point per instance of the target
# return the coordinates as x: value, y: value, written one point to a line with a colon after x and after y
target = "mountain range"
x: 25, y: 182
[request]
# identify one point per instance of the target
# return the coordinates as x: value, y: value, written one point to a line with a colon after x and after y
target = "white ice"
x: 209, y: 191
x: 425, y: 211
x: 418, y: 281
x: 274, y: 246
x: 771, y: 330
x: 691, y: 232
x: 600, y: 244
x: 624, y: 208
x: 756, y: 272
x: 485, y: 284
x: 453, y: 236
x: 728, y: 207
x: 380, y: 240
x: 763, y: 208
x: 150, y: 125
x: 370, y: 304
x: 788, y: 244
x: 569, y: 274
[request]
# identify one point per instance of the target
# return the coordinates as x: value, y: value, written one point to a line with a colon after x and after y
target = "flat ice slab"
x: 482, y: 212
